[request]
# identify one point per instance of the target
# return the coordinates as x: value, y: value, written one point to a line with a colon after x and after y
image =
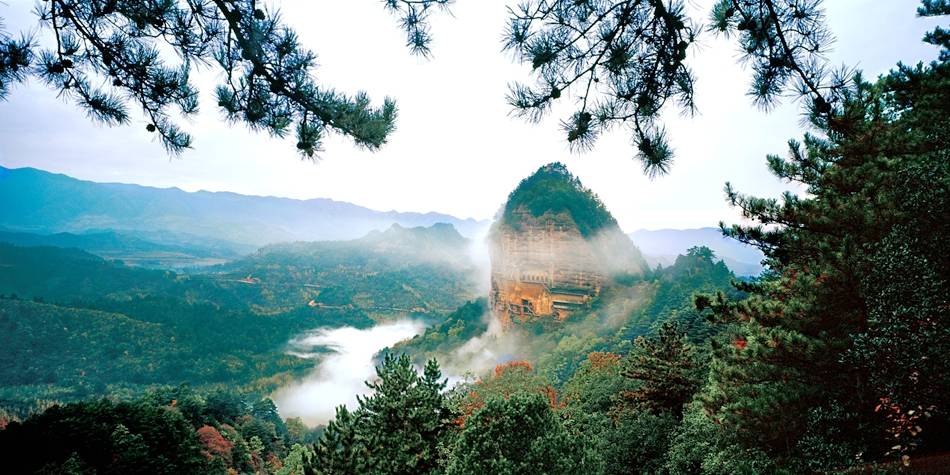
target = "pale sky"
x: 456, y: 149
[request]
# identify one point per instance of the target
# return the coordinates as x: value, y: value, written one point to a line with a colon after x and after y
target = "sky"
x: 457, y: 149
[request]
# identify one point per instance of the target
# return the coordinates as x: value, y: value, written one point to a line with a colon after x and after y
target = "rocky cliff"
x: 553, y: 249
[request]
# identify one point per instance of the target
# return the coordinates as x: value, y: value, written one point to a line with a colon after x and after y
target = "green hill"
x: 553, y: 189
x: 65, y: 353
x: 390, y: 273
x: 74, y: 325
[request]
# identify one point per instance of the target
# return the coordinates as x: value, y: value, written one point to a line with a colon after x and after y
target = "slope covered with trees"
x: 553, y: 189
x: 168, y: 431
x: 77, y: 325
x: 625, y: 310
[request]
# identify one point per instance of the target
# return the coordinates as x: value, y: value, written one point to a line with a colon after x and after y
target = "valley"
x: 269, y: 357
x: 108, y: 324
x: 429, y: 237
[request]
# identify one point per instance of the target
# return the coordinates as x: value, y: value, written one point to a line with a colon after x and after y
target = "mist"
x: 346, y: 355
x: 498, y: 345
x: 481, y: 353
x: 346, y: 361
x: 609, y: 253
x: 478, y: 254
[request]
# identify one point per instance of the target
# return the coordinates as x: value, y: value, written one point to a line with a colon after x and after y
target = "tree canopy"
x: 111, y: 55
x: 621, y: 62
x: 837, y: 346
x: 553, y: 189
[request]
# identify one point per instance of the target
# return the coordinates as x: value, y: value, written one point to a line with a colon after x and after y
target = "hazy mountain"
x: 42, y: 202
x: 385, y: 273
x: 662, y: 247
x: 129, y: 249
x: 92, y: 242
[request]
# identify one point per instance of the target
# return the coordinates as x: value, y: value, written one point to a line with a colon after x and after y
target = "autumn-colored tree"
x: 596, y: 385
x: 215, y: 445
x: 507, y: 379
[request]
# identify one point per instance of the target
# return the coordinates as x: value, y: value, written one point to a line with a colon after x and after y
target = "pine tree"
x: 623, y: 61
x: 337, y: 452
x: 404, y: 419
x: 397, y: 429
x: 839, y: 344
x: 664, y: 371
x: 110, y: 54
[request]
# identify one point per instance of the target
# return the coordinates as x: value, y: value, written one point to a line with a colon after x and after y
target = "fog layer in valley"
x: 340, y: 375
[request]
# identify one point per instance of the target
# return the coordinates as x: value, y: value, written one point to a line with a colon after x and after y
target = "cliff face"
x: 545, y: 264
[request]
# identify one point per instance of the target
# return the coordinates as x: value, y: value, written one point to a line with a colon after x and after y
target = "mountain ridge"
x: 45, y: 202
x: 661, y: 246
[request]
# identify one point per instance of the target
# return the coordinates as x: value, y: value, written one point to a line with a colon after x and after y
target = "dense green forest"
x: 385, y: 274
x: 126, y: 333
x: 553, y: 189
x: 164, y: 431
x: 76, y: 325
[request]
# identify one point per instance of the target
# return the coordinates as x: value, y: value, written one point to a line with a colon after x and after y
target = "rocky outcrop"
x: 544, y: 263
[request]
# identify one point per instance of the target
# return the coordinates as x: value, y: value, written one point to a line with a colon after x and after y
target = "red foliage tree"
x: 215, y: 445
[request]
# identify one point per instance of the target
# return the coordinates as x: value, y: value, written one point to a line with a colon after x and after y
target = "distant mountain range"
x: 168, y: 227
x: 131, y: 250
x: 662, y: 247
x: 36, y: 201
x: 104, y: 241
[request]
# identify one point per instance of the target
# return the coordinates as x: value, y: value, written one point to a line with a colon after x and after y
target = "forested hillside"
x: 399, y: 271
x: 166, y: 431
x: 625, y: 311
x: 76, y: 325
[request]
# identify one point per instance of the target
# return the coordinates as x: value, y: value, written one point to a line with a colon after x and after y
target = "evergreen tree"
x: 110, y: 54
x: 520, y: 434
x: 403, y: 420
x: 623, y: 61
x: 397, y: 429
x: 664, y: 369
x: 839, y: 344
x: 617, y: 438
x: 337, y: 453
x: 297, y: 461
